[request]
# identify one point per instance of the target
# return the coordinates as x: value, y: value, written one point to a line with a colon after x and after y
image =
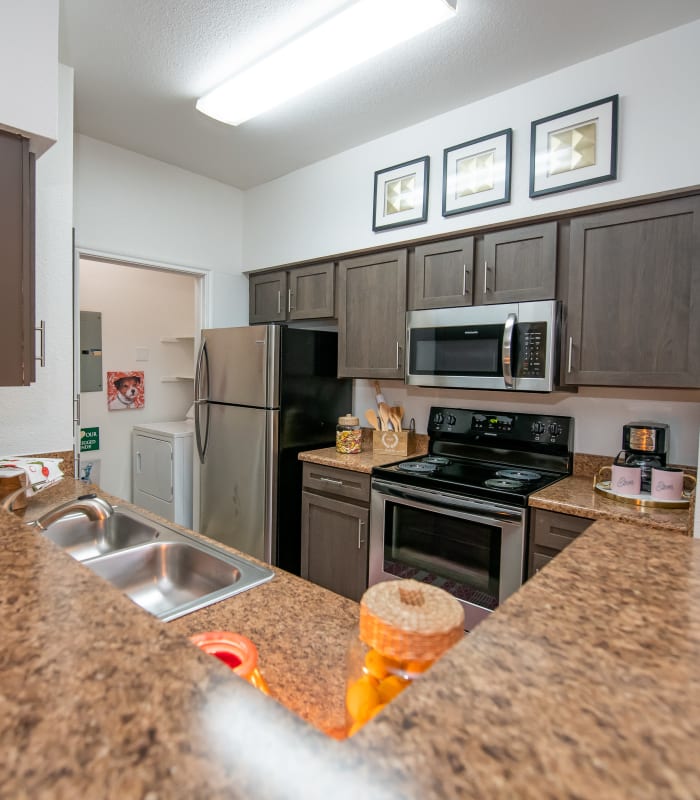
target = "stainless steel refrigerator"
x: 263, y: 394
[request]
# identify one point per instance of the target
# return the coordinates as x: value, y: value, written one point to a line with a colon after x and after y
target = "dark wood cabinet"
x: 311, y: 292
x: 634, y: 297
x: 268, y: 297
x: 17, y: 363
x: 550, y: 533
x: 335, y: 529
x: 441, y: 274
x: 517, y: 265
x: 302, y: 293
x: 372, y: 315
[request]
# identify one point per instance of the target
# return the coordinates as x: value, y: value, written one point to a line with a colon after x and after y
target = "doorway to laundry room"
x: 136, y: 340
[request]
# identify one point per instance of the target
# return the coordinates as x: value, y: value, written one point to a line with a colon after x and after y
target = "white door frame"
x: 201, y: 317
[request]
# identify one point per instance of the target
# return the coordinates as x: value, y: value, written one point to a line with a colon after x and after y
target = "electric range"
x: 458, y: 516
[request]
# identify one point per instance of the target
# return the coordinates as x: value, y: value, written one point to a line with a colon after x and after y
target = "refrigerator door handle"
x: 200, y: 402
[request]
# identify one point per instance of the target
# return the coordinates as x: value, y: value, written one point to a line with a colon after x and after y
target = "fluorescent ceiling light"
x: 357, y: 33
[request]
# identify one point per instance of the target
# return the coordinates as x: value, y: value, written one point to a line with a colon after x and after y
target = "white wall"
x: 326, y: 208
x: 29, y: 66
x: 38, y: 418
x: 138, y: 307
x: 135, y: 207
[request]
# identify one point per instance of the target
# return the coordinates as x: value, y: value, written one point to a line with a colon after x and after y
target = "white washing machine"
x: 161, y: 475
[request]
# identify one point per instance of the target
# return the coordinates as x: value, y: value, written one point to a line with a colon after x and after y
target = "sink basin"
x: 171, y: 579
x: 82, y: 538
x: 165, y: 571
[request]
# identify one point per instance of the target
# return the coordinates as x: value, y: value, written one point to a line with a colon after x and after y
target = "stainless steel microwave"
x: 513, y: 346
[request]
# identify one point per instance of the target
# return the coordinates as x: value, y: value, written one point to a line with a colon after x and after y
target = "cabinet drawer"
x: 339, y: 482
x: 539, y: 560
x: 555, y: 530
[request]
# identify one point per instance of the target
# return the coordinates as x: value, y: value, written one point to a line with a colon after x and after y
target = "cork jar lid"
x: 349, y: 421
x: 406, y: 619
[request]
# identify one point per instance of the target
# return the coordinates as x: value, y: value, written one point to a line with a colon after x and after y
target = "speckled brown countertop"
x: 583, y: 684
x: 361, y: 462
x: 576, y: 496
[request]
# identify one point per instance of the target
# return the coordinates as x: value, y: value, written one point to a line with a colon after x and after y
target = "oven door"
x: 472, y: 548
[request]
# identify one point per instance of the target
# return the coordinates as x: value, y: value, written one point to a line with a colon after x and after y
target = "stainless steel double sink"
x: 163, y: 570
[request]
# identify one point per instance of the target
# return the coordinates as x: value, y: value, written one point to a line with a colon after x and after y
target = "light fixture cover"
x: 358, y: 32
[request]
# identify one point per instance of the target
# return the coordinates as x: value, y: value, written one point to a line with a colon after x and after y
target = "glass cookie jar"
x: 348, y: 435
x: 405, y: 626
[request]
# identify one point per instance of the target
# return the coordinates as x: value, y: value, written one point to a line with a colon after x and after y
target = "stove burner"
x: 519, y: 474
x: 417, y: 466
x: 503, y: 483
x: 440, y: 460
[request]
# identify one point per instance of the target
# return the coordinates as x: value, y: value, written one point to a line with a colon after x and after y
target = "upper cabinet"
x: 518, y: 264
x: 17, y: 364
x: 301, y: 293
x: 372, y: 315
x: 441, y: 274
x: 634, y: 296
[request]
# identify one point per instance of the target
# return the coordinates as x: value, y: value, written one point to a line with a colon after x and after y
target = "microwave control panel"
x: 532, y: 349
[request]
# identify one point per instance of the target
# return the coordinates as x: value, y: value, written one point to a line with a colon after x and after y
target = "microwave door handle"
x: 507, y: 350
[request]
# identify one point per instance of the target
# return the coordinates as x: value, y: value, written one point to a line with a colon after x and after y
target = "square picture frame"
x: 476, y: 174
x: 401, y: 194
x: 574, y: 148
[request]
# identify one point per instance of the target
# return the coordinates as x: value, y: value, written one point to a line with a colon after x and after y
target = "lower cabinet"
x: 335, y: 529
x: 550, y: 533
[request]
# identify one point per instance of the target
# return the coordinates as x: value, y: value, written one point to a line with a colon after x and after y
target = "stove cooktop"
x: 500, y: 457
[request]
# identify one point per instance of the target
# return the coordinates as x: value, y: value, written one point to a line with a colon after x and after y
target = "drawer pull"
x: 360, y: 540
x: 330, y: 480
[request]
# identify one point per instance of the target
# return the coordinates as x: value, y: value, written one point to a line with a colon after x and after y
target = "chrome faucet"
x: 94, y: 508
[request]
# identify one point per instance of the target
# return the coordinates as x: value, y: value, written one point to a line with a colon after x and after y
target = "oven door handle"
x: 507, y: 350
x: 429, y: 498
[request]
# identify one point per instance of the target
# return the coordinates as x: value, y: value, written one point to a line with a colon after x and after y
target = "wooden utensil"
x: 371, y: 416
x: 397, y: 417
x: 378, y: 392
x: 384, y: 416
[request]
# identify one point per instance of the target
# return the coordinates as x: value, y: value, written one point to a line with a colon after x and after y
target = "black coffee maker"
x: 644, y: 445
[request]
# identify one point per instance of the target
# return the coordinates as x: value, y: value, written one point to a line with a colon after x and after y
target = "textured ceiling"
x: 141, y: 64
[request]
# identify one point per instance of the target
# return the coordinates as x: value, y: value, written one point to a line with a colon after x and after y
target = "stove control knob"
x: 537, y: 427
x: 451, y: 419
x: 554, y: 429
x: 438, y: 419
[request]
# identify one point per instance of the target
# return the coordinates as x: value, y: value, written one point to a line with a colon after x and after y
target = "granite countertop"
x: 363, y: 461
x: 583, y: 684
x: 575, y: 495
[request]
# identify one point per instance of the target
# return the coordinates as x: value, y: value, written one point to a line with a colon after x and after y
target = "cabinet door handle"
x: 279, y: 302
x: 486, y: 277
x: 360, y: 540
x: 568, y: 358
x: 138, y: 462
x: 398, y: 355
x: 330, y: 480
x: 41, y: 358
x: 289, y: 300
x: 464, y: 281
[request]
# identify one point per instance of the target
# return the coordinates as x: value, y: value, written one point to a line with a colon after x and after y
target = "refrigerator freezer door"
x: 237, y: 494
x: 242, y: 365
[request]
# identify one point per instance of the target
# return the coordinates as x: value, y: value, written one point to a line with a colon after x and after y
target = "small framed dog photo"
x: 125, y: 390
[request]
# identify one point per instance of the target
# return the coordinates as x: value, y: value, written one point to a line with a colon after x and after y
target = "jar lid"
x: 348, y: 420
x: 407, y: 619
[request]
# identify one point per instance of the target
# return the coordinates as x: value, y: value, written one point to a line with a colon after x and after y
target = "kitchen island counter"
x: 584, y: 683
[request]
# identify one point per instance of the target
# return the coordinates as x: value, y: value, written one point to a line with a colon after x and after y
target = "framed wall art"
x: 401, y: 194
x: 476, y: 174
x: 125, y: 391
x: 574, y: 148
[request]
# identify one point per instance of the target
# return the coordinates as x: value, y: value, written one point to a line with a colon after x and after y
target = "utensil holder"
x: 394, y: 443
